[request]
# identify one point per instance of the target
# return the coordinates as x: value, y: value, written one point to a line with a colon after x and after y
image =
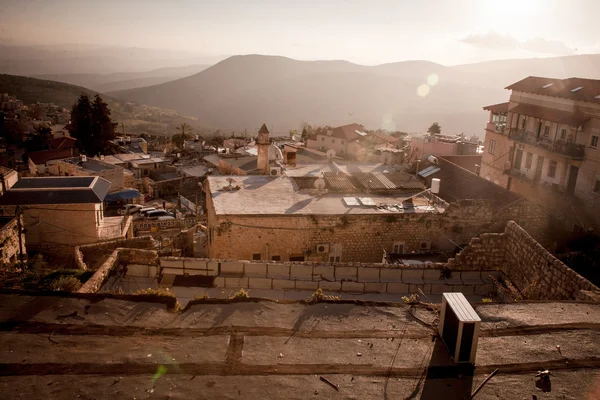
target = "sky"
x: 367, y: 32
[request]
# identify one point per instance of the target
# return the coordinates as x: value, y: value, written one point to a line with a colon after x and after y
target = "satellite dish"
x: 386, y: 157
x: 330, y: 154
x: 433, y: 160
x: 320, y: 184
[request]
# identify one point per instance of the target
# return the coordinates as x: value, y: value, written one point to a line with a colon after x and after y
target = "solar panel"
x: 429, y: 171
x: 360, y: 133
x: 351, y: 202
x: 577, y: 89
x: 366, y: 201
x: 546, y: 86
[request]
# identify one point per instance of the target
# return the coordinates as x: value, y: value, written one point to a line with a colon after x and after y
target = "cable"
x: 446, y: 236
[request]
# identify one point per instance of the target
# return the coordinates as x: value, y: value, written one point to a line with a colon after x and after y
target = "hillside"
x: 137, y: 119
x: 241, y: 92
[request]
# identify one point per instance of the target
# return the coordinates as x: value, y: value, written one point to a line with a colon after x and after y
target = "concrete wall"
x: 492, y: 165
x: 326, y: 142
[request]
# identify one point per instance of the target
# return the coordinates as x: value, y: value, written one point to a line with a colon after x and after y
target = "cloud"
x: 495, y: 40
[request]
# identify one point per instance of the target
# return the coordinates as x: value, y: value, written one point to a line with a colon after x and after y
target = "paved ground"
x: 55, y: 347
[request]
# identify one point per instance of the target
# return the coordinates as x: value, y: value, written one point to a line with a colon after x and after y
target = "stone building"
x: 10, y: 244
x: 341, y: 139
x: 8, y: 177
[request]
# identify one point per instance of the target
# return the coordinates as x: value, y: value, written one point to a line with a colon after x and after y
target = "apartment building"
x: 544, y: 144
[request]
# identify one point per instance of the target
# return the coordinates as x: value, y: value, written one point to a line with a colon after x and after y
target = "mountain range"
x: 242, y: 92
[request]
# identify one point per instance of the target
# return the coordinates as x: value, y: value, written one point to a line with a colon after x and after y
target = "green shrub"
x: 318, y: 296
x: 241, y: 294
x: 66, y: 284
x: 160, y: 292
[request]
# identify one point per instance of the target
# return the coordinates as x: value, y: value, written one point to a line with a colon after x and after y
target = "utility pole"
x: 18, y: 213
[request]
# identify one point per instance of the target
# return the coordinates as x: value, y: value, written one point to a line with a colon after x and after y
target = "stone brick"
x: 390, y: 274
x: 484, y: 290
x: 301, y: 272
x: 303, y: 285
x: 232, y: 268
x: 171, y: 263
x: 414, y: 276
x: 325, y: 272
x: 464, y: 289
x: 172, y: 271
x: 258, y: 270
x: 152, y: 271
x: 219, y: 282
x: 454, y: 280
x: 470, y: 277
x: 366, y: 274
x: 137, y: 270
x: 259, y: 283
x: 431, y: 275
x: 334, y: 286
x: 371, y: 287
x: 414, y: 287
x: 439, y: 288
x: 196, y: 272
x: 167, y: 280
x: 353, y: 287
x: 236, y: 283
x: 348, y: 273
x: 213, y: 266
x: 279, y: 271
x: 284, y: 284
x: 397, y: 288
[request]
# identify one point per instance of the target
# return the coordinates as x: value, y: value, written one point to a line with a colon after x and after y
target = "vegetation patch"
x: 318, y: 296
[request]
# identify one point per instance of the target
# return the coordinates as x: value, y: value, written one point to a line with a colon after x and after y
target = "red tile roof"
x: 348, y: 132
x: 590, y: 88
x: 42, y: 157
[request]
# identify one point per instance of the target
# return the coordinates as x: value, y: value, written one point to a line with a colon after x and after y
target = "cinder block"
x: 167, y: 280
x: 301, y: 272
x: 325, y: 272
x: 390, y: 274
x: 431, y: 275
x: 259, y: 283
x: 470, y: 277
x: 258, y: 270
x: 334, y: 286
x: 454, y: 280
x: 219, y: 282
x: 196, y: 272
x: 438, y: 288
x: 371, y: 287
x: 285, y: 284
x: 464, y: 289
x: 414, y: 288
x: 279, y: 271
x: 137, y: 270
x: 200, y: 265
x: 347, y: 273
x: 366, y: 274
x: 397, y: 288
x: 485, y: 290
x: 172, y: 271
x: 413, y: 276
x: 303, y: 285
x: 232, y: 268
x: 171, y: 263
x: 353, y: 286
x: 231, y: 282
x: 213, y: 266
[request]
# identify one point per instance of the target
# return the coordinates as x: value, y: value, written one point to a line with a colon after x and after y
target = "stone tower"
x: 263, y: 144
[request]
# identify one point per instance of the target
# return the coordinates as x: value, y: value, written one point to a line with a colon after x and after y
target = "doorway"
x: 518, y: 159
x: 573, y: 172
x: 539, y: 164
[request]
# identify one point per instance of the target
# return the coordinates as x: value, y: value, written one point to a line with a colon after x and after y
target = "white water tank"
x: 435, y: 185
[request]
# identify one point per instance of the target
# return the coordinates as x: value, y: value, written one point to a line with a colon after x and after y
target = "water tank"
x: 435, y: 185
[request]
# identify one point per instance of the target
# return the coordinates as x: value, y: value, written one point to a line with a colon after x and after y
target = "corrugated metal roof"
x: 404, y: 180
x: 338, y: 181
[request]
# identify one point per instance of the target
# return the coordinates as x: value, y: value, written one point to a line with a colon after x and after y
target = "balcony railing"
x: 561, y: 147
x: 496, y: 127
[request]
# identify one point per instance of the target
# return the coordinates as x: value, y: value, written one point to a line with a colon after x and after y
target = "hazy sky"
x: 367, y: 32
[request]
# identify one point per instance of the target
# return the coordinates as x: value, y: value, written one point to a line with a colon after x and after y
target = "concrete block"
x: 137, y: 270
x: 258, y: 270
x: 439, y: 288
x: 285, y: 284
x: 397, y: 288
x: 464, y: 289
x: 213, y: 266
x: 237, y: 283
x: 259, y: 283
x: 200, y: 265
x: 366, y: 274
x: 196, y: 272
x: 232, y: 268
x: 485, y: 290
x: 390, y: 274
x: 414, y: 288
x: 172, y: 271
x: 302, y: 285
x: 353, y: 286
x: 347, y: 273
x: 431, y: 275
x: 470, y: 277
x: 454, y: 280
x: 219, y: 282
x: 167, y: 280
x: 485, y: 276
x: 325, y: 272
x: 301, y: 272
x: 414, y: 276
x: 171, y: 263
x: 371, y: 287
x: 334, y: 286
x: 279, y: 271
x: 152, y: 271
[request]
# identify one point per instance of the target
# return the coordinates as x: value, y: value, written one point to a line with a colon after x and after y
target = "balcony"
x: 572, y: 150
x: 496, y: 127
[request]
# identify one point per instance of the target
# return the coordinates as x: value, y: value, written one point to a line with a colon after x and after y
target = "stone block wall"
x: 90, y: 252
x: 9, y: 240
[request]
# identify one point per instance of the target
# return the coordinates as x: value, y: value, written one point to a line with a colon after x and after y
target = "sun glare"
x: 510, y: 8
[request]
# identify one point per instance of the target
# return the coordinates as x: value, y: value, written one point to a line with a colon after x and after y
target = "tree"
x: 91, y: 125
x: 40, y: 140
x: 180, y: 138
x: 434, y: 129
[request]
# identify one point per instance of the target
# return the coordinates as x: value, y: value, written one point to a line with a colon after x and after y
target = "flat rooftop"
x: 265, y: 195
x: 92, y: 346
x: 90, y: 164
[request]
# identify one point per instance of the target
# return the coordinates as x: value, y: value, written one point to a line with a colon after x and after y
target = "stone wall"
x: 9, y: 240
x: 91, y: 252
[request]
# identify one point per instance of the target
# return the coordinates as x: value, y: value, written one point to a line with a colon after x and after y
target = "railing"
x: 562, y: 147
x: 496, y: 127
x: 111, y: 230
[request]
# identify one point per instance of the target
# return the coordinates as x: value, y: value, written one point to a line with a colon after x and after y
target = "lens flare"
x: 423, y: 90
x: 433, y: 79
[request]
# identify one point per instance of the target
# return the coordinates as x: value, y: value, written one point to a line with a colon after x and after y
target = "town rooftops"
x: 99, y: 348
x: 348, y: 132
x: 265, y: 195
x: 63, y: 143
x: 43, y: 156
x: 90, y: 164
x: 57, y: 190
x: 572, y: 88
x: 245, y: 163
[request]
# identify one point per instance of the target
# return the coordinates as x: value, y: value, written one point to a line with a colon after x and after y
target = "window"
x: 335, y: 253
x: 492, y: 146
x: 528, y: 160
x: 594, y: 141
x: 398, y: 248
x: 256, y: 256
x: 552, y: 169
x: 276, y: 258
x: 563, y: 134
x: 597, y: 186
x: 547, y: 131
x: 524, y: 123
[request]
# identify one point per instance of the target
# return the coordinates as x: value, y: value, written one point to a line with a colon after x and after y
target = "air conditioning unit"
x: 459, y: 327
x: 322, y: 248
x: 425, y: 245
x: 275, y: 171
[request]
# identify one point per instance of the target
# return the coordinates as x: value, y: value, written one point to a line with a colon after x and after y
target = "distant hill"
x: 242, y: 92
